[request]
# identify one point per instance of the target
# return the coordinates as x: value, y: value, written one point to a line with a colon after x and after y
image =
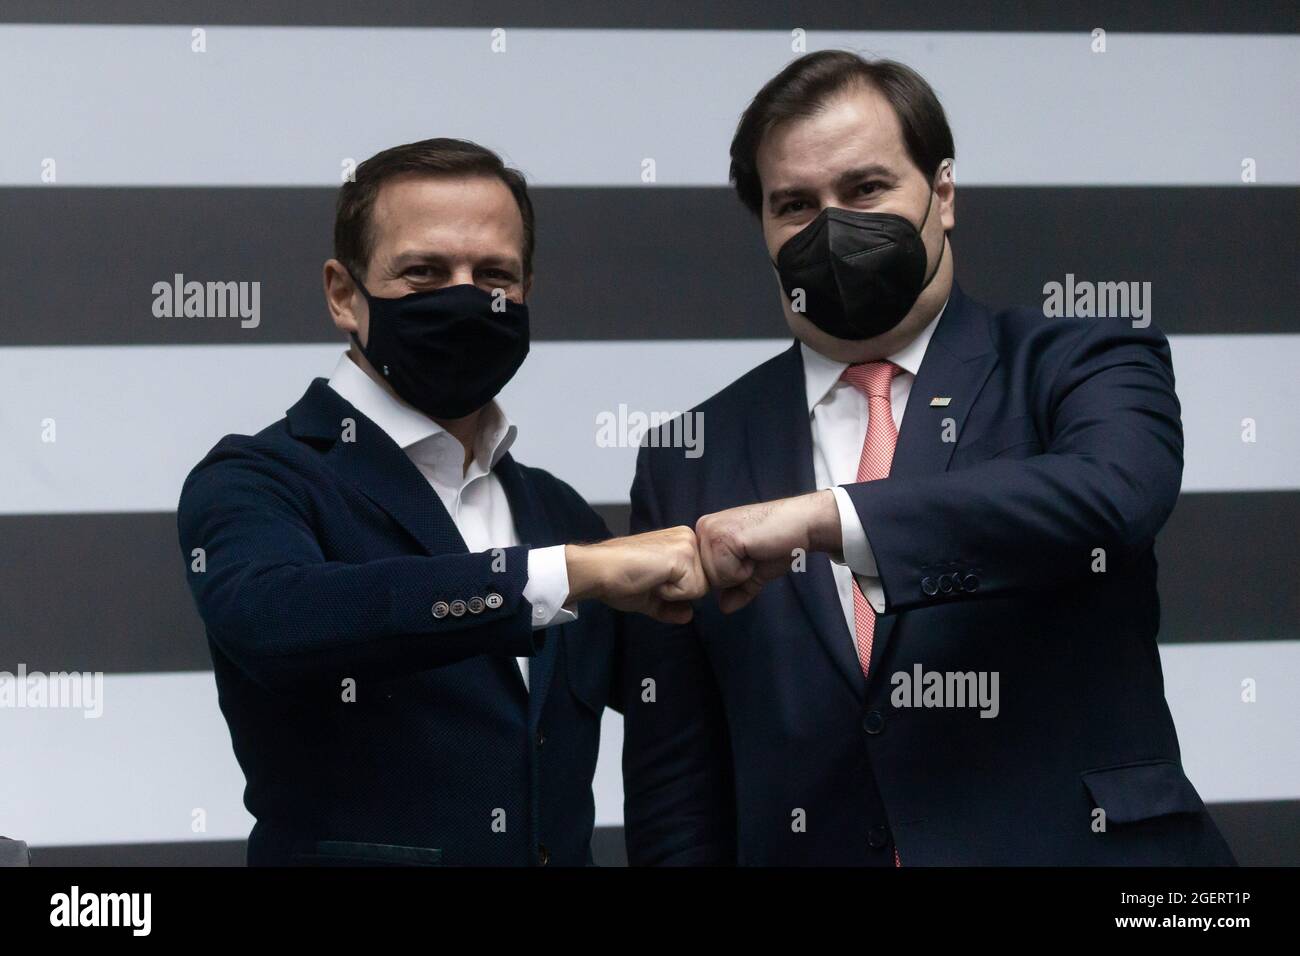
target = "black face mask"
x: 446, y: 352
x: 860, y: 272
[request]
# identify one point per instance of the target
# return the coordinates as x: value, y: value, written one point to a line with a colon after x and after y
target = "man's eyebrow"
x: 847, y: 178
x: 853, y: 176
x: 493, y: 259
x: 416, y: 257
x: 789, y: 192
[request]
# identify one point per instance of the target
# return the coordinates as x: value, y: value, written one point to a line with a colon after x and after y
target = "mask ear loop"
x: 924, y: 220
x: 365, y: 294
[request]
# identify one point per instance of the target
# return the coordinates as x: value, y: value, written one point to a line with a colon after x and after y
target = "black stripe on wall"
x: 1219, y: 555
x: 78, y: 265
x: 1259, y: 16
x: 97, y: 592
x: 107, y: 592
x: 1265, y: 833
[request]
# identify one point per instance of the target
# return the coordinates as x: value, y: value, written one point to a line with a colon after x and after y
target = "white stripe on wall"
x: 131, y: 421
x: 160, y: 750
x: 133, y: 105
x: 1237, y: 394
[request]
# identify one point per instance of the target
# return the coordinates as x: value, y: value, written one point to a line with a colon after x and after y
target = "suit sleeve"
x: 291, y: 619
x: 1108, y: 478
x: 678, y: 792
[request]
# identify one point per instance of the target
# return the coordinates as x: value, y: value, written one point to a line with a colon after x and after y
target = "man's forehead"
x: 413, y: 196
x: 855, y: 129
x: 423, y: 204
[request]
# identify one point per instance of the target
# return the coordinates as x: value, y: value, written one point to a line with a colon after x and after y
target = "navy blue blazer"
x: 764, y: 744
x: 370, y: 729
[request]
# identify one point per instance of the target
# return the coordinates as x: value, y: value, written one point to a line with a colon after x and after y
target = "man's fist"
x: 657, y: 573
x: 744, y: 548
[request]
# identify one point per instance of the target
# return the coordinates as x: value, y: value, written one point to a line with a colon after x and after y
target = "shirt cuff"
x: 548, y: 586
x: 857, y: 553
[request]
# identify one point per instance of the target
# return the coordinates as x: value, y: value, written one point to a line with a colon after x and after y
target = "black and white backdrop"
x: 128, y: 156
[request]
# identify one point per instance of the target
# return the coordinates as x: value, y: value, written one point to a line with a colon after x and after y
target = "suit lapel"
x: 957, y: 363
x: 535, y: 530
x: 780, y: 453
x: 374, y: 464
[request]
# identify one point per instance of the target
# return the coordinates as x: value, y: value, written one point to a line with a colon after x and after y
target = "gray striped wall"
x: 222, y: 166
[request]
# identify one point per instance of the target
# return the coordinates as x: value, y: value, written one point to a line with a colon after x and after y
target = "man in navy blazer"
x: 931, y: 526
x: 411, y: 632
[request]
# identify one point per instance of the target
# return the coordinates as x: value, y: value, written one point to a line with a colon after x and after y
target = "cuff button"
x: 476, y: 605
x: 440, y: 609
x: 458, y: 608
x: 494, y: 600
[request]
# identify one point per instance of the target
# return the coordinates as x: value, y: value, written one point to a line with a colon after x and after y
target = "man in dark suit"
x: 410, y: 649
x: 931, y: 525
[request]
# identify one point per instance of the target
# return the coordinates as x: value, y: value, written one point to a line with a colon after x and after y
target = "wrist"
x: 823, y: 522
x: 584, y: 569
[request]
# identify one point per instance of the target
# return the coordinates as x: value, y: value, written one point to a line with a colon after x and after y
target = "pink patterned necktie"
x: 874, y: 380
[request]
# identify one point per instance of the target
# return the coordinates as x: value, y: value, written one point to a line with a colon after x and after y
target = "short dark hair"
x: 803, y: 88
x: 353, y: 239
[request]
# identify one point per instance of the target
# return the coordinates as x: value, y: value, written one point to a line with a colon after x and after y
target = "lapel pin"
x: 940, y: 401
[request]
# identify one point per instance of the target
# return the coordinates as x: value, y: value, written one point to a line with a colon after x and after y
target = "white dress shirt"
x: 839, y: 416
x: 474, y: 498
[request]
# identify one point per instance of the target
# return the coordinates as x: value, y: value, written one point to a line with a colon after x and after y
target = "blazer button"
x: 874, y: 723
x: 458, y: 608
x: 945, y: 583
x: 878, y: 837
x: 543, y: 855
x: 440, y: 609
x: 928, y: 587
x: 476, y: 605
x: 494, y: 600
x: 970, y: 583
x: 541, y: 739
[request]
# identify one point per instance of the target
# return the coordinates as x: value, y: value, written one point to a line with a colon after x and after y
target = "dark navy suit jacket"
x: 764, y: 744
x: 322, y: 561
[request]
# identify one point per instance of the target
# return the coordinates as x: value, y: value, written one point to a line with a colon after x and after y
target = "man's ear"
x: 342, y: 298
x: 946, y: 190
